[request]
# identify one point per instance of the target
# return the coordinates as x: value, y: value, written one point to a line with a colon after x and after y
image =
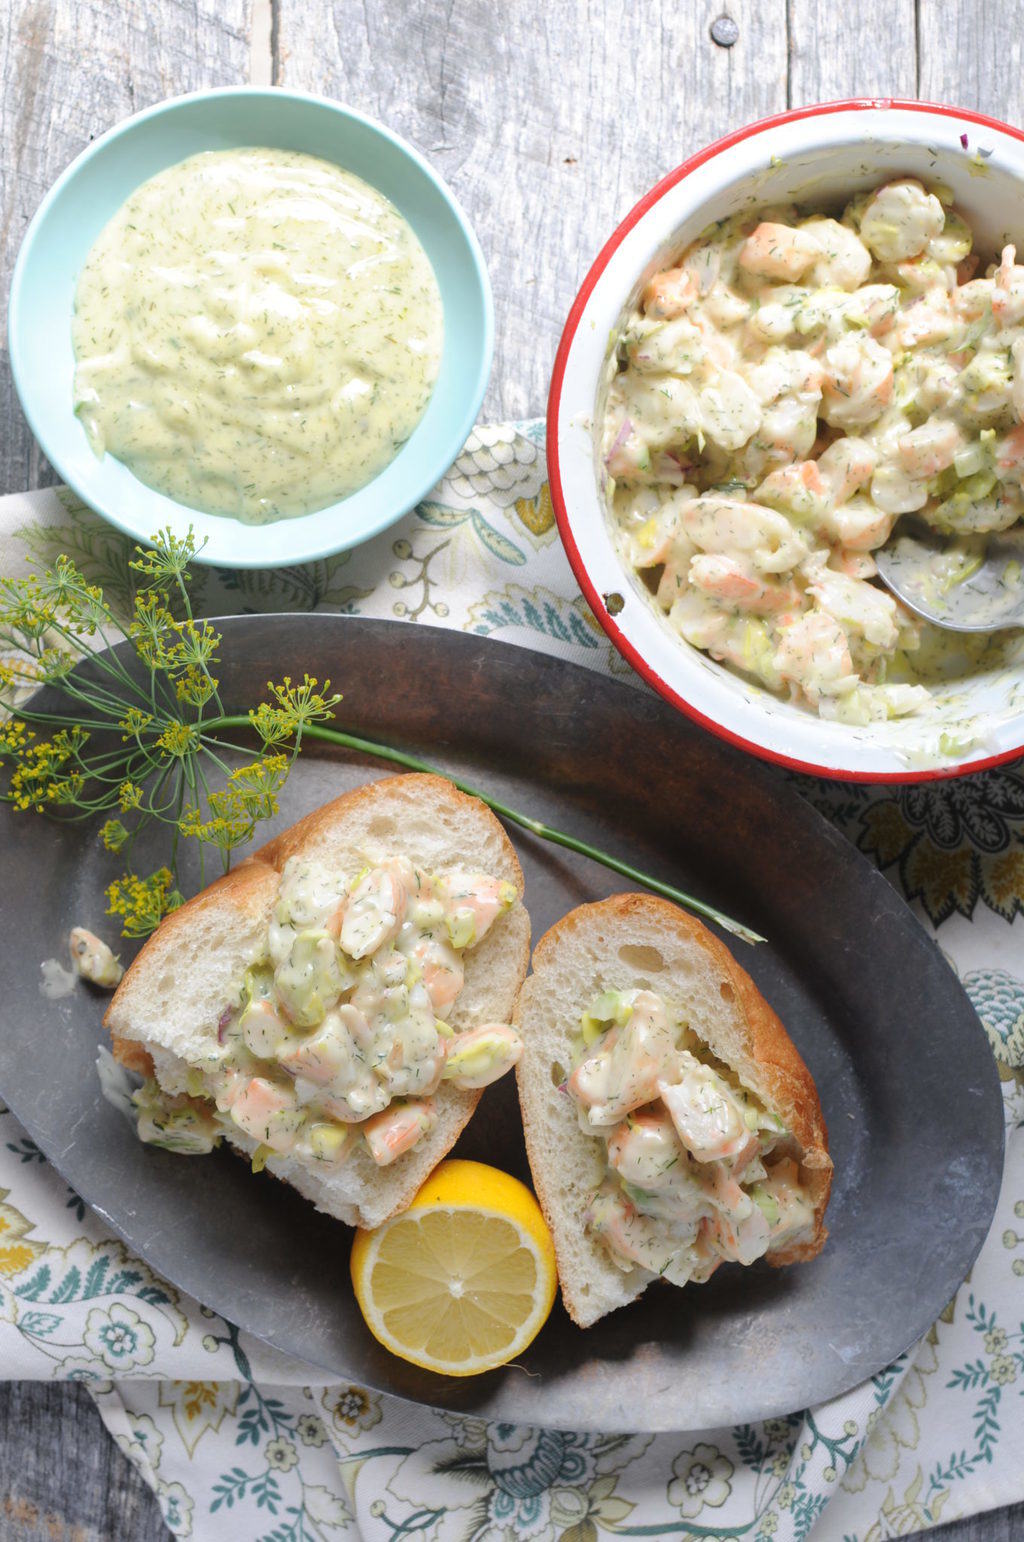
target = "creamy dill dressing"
x: 257, y: 332
x: 781, y: 395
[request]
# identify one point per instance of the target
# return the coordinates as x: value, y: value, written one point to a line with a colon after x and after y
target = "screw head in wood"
x: 724, y: 31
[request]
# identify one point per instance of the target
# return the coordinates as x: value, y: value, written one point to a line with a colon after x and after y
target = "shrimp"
x: 443, y: 974
x: 925, y: 322
x: 263, y: 1028
x: 854, y: 564
x: 730, y: 413
x: 858, y: 607
x: 396, y: 1130
x: 645, y: 1149
x: 708, y: 1116
x: 895, y: 490
x: 93, y: 960
x: 670, y: 293
x: 1008, y: 291
x: 927, y: 450
x: 633, y: 1238
x: 1017, y: 393
x: 472, y: 902
x: 724, y: 578
x: 1010, y: 455
x: 844, y: 261
x: 376, y: 908
x: 813, y: 653
x: 899, y: 220
x: 973, y: 300
x: 798, y: 489
x: 741, y: 1239
x: 481, y: 1056
x: 771, y: 543
x: 330, y: 1051
x: 739, y: 639
x: 779, y: 251
x: 845, y: 466
x: 858, y: 382
x: 268, y: 1113
x: 624, y: 1073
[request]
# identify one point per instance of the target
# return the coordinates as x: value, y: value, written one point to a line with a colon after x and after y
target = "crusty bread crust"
x: 414, y: 815
x: 615, y: 939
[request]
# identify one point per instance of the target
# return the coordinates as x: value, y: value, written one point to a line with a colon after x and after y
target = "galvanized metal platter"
x: 906, y: 1077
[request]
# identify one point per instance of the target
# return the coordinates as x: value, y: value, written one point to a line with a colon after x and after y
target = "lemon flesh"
x: 464, y: 1279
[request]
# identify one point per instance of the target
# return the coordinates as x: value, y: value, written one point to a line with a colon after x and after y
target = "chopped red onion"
x: 625, y: 429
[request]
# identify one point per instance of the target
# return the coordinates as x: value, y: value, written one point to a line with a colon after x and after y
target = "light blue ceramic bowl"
x: 95, y: 186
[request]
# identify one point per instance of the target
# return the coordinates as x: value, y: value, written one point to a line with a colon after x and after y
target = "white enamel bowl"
x: 821, y: 156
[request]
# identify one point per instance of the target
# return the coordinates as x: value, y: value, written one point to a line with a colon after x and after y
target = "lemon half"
x: 463, y: 1280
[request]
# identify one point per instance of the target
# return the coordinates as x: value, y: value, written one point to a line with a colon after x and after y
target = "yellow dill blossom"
x: 142, y: 903
x: 179, y: 739
x: 197, y: 643
x: 113, y: 835
x: 272, y: 725
x: 69, y: 789
x: 257, y: 785
x: 129, y: 796
x: 69, y: 741
x: 235, y: 810
x: 31, y: 786
x: 14, y: 736
x: 294, y: 706
x: 195, y: 686
x: 40, y: 776
x: 169, y: 558
x: 55, y: 664
x: 25, y: 609
x: 134, y: 722
x: 220, y: 829
x: 151, y: 629
x: 63, y: 589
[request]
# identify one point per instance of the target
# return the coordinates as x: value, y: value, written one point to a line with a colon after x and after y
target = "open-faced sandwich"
x: 333, y: 1005
x: 670, y: 1122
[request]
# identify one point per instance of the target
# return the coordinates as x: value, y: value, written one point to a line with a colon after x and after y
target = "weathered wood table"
x: 548, y: 118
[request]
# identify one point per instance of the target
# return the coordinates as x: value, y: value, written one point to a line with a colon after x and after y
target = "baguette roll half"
x: 165, y: 1015
x: 630, y: 942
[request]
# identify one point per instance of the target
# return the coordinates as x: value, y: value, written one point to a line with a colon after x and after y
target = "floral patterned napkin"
x: 238, y: 1442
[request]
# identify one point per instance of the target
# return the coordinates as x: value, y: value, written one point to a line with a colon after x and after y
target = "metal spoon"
x: 965, y: 584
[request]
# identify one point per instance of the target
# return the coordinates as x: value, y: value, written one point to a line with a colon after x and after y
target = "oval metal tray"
x: 904, y: 1070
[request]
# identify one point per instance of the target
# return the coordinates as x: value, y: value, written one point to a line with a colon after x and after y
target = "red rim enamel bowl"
x: 816, y: 156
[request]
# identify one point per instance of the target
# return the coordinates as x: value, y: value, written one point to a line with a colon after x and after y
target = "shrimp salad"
x: 698, y: 1170
x: 338, y: 1037
x: 783, y: 394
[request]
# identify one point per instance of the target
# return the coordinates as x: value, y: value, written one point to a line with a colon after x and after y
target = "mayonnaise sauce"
x: 257, y: 332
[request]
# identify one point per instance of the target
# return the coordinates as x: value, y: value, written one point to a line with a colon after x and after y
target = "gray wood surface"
x: 70, y: 71
x: 549, y: 118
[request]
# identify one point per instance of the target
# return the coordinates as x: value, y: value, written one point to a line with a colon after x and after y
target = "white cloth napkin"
x: 239, y: 1442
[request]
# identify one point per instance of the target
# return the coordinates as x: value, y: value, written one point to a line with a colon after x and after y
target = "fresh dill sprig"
x: 145, y: 747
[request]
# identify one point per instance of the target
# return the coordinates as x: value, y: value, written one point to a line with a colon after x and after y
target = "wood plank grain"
x: 62, y: 1478
x: 548, y: 122
x: 838, y: 51
x: 972, y: 55
x: 70, y: 70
